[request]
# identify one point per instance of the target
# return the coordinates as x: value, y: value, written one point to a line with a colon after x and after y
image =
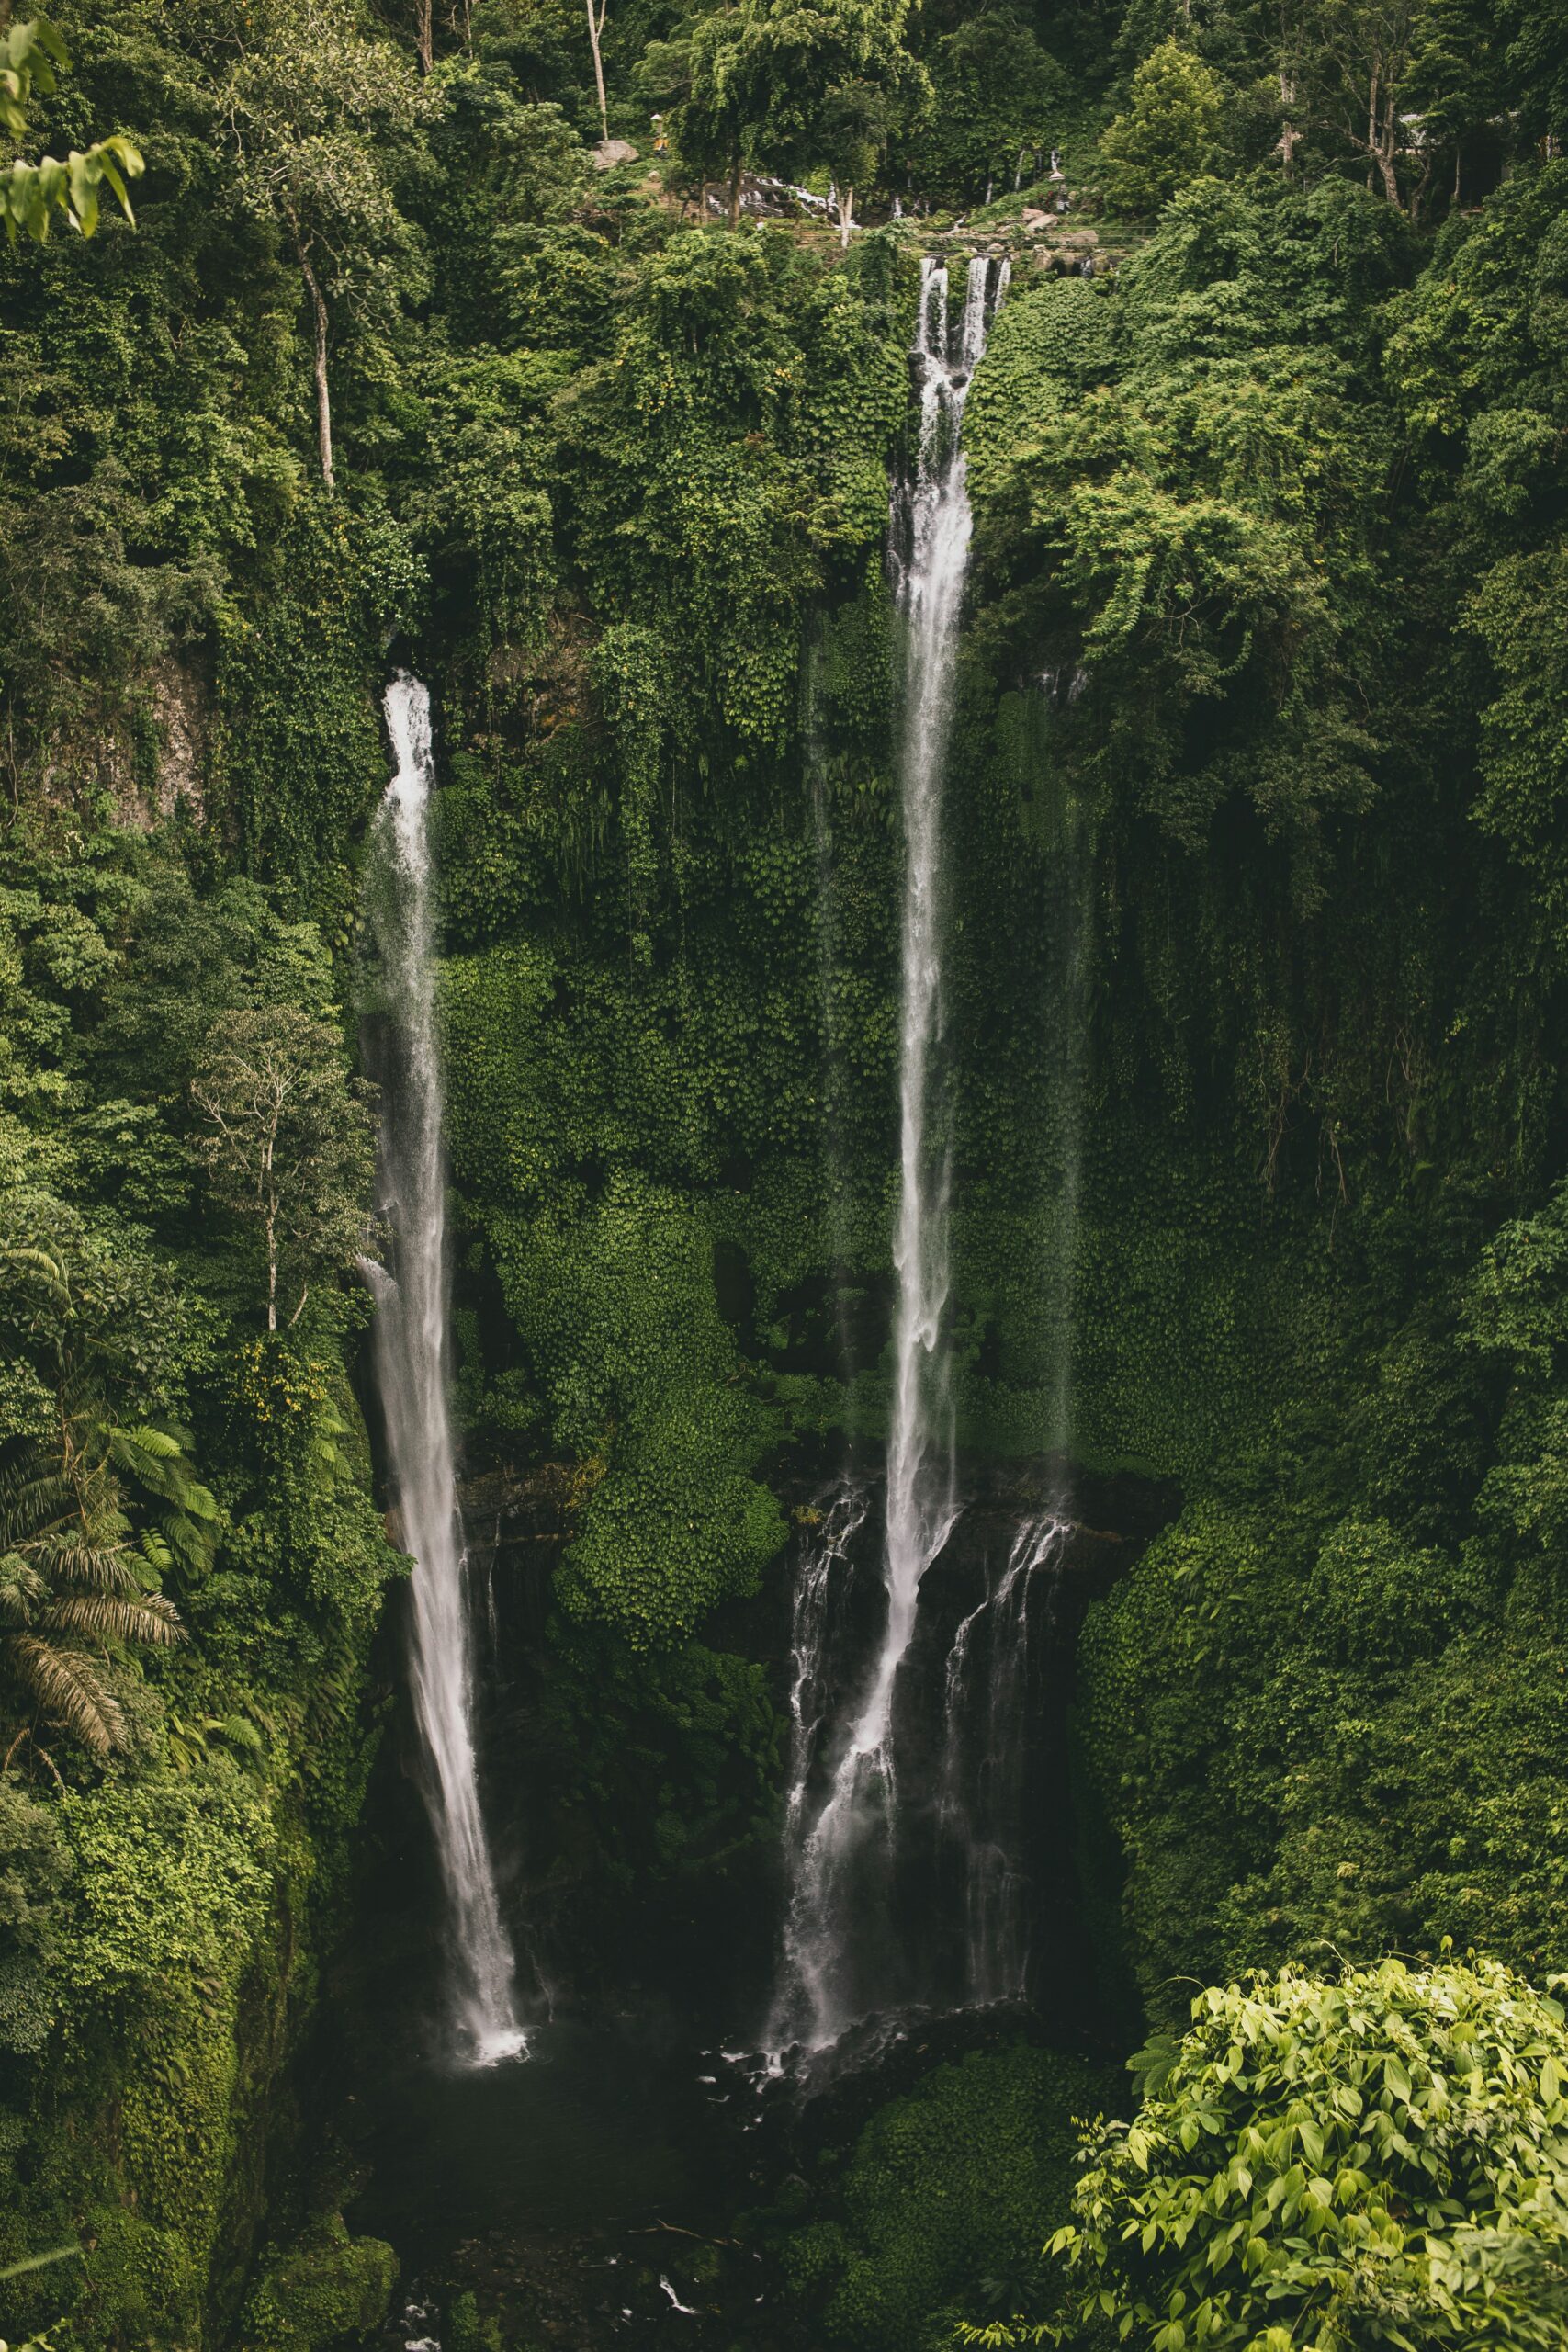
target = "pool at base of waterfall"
x: 586, y: 2197
x: 587, y: 2192
x: 619, y: 2187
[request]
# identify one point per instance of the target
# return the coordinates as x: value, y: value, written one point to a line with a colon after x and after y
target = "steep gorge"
x: 991, y: 1295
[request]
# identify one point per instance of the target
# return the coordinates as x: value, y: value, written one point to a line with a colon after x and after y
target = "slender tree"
x: 595, y: 31
x: 307, y: 107
x: 287, y: 1144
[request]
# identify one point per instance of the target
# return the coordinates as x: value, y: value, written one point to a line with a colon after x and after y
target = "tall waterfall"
x: 990, y: 1695
x: 848, y: 1844
x: 411, y: 1366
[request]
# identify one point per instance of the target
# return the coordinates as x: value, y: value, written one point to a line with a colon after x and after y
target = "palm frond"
x: 126, y: 1445
x: 22, y: 1589
x: 30, y: 1500
x: 70, y: 1690
x: 73, y: 1563
x: 106, y: 1616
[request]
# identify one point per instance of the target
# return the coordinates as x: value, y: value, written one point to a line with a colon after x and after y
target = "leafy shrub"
x: 1382, y: 2160
x: 942, y: 2198
x: 331, y: 2290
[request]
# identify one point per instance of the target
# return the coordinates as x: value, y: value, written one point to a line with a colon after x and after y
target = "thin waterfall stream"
x: 411, y: 1361
x: 837, y: 1850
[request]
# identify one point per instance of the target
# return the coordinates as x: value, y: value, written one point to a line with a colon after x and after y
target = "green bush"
x: 942, y: 2198
x: 330, y: 2290
x: 1381, y: 2159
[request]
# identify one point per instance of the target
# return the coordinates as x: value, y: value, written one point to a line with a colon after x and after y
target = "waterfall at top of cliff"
x: 411, y: 1367
x: 846, y: 1846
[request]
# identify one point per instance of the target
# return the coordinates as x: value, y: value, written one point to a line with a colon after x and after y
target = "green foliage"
x: 1196, y: 530
x: 330, y: 2288
x: 1254, y: 954
x: 30, y: 193
x: 1381, y: 2159
x: 286, y: 1146
x: 617, y: 1310
x: 945, y: 2197
x: 997, y: 92
x: 1310, y: 1729
x: 298, y: 752
x: 1167, y: 138
x: 670, y: 1757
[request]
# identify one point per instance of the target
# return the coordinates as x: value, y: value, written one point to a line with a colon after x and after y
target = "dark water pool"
x: 603, y: 2123
x: 586, y: 2195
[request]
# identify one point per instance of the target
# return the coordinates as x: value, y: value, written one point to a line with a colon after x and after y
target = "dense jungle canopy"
x: 557, y: 352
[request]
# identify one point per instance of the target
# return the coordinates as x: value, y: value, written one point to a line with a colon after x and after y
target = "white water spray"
x: 411, y: 1358
x: 852, y: 1834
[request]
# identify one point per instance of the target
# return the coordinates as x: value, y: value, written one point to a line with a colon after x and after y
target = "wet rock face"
x: 985, y: 1900
x: 960, y: 1889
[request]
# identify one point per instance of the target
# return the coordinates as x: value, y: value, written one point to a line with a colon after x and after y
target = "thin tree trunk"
x: 1387, y: 152
x: 425, y: 35
x: 1372, y: 112
x: 846, y: 217
x: 324, y: 395
x: 1289, y: 134
x: 735, y: 192
x: 595, y: 26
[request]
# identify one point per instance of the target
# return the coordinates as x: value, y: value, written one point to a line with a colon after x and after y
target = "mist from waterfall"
x: 837, y: 1854
x: 410, y: 1343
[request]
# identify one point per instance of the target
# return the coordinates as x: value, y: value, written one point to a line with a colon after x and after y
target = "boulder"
x: 611, y: 152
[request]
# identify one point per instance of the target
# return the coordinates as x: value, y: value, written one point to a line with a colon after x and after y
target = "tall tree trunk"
x: 1289, y: 135
x: 1388, y: 148
x: 324, y: 395
x: 595, y: 26
x: 425, y: 35
x: 1372, y: 111
x: 846, y: 217
x: 735, y: 190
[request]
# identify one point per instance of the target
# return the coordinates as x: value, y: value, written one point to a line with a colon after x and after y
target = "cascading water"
x: 989, y: 1697
x: 411, y: 1367
x: 847, y: 1847
x: 817, y: 1632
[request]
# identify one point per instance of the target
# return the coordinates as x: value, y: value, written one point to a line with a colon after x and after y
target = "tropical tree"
x: 30, y: 193
x: 1367, y: 52
x: 702, y: 77
x: 1377, y: 2159
x: 1166, y: 135
x: 595, y: 36
x: 95, y: 1517
x: 311, y: 108
x: 796, y: 84
x: 826, y: 81
x: 288, y: 1144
